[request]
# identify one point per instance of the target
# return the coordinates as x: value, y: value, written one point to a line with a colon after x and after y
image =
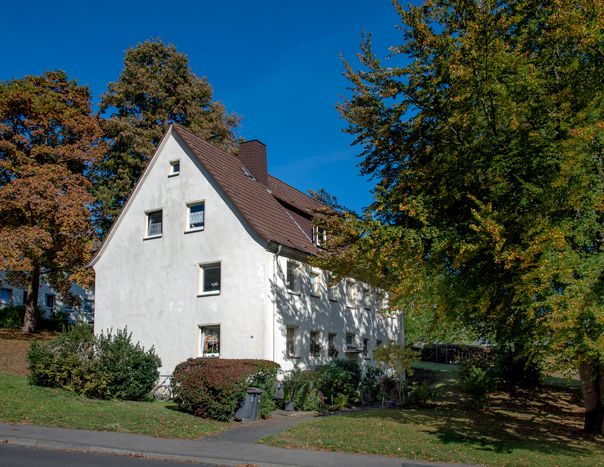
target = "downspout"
x: 275, y: 267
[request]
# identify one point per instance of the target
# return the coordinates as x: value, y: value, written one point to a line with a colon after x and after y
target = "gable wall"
x: 151, y: 286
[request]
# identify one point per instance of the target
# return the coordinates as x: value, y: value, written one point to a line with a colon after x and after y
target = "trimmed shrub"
x: 106, y: 367
x: 300, y: 387
x: 215, y: 388
x: 370, y: 387
x: 339, y: 377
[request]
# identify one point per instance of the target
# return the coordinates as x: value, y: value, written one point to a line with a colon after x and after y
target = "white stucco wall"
x: 151, y: 286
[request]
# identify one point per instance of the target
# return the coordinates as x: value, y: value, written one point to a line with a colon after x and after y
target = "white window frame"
x: 350, y: 285
x: 202, y: 337
x: 188, y: 227
x: 202, y: 268
x: 147, y: 225
x: 333, y: 292
x: 319, y: 235
x: 295, y: 353
x: 315, y: 282
x: 316, y: 342
x: 297, y: 270
x: 332, y: 344
x: 365, y: 346
x: 353, y: 338
x: 173, y: 164
x: 366, y: 296
x: 54, y: 301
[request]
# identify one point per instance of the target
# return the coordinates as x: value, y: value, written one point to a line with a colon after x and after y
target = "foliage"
x: 514, y: 369
x: 155, y: 89
x: 477, y: 376
x: 104, y: 367
x: 49, y: 141
x: 11, y: 317
x: 484, y: 132
x: 214, y: 388
x: 398, y: 360
x: 339, y: 378
x: 300, y: 387
x: 370, y: 386
x: 421, y: 395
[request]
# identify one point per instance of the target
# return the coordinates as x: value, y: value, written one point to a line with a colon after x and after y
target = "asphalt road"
x: 17, y: 456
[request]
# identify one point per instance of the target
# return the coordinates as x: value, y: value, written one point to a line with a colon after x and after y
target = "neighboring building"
x: 208, y: 258
x: 49, y: 301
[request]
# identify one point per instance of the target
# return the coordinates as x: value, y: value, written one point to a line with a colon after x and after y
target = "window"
x: 174, y: 167
x: 210, y: 341
x: 196, y: 216
x: 293, y: 277
x: 350, y: 344
x: 154, y: 224
x: 378, y: 343
x: 332, y: 290
x: 319, y: 235
x: 350, y: 292
x: 332, y: 351
x: 291, y: 341
x: 315, y: 344
x: 209, y: 279
x: 381, y: 298
x: 49, y: 301
x: 365, y: 347
x: 6, y: 296
x: 315, y: 283
x: 366, y: 296
x: 24, y: 297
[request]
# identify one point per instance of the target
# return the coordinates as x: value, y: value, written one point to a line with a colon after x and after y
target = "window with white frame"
x: 315, y: 283
x: 49, y: 301
x: 154, y: 223
x: 332, y: 289
x: 319, y: 235
x: 332, y: 350
x: 292, y: 278
x: 365, y: 347
x: 210, y: 341
x: 195, y: 216
x: 350, y: 341
x: 366, y: 296
x: 350, y: 292
x: 174, y: 167
x: 315, y: 344
x: 6, y: 296
x: 291, y: 341
x: 209, y: 279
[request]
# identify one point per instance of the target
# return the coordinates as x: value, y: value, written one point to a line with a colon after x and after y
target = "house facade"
x: 209, y: 258
x: 49, y: 301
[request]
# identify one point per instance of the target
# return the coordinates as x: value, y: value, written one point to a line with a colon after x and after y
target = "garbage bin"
x: 251, y: 406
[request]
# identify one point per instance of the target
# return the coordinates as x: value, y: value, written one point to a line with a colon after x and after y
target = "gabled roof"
x: 256, y: 202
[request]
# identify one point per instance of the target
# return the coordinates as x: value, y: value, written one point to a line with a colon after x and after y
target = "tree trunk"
x: 31, y: 302
x: 592, y: 386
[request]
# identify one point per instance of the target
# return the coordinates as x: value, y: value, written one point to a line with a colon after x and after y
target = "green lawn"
x: 538, y: 428
x: 22, y: 403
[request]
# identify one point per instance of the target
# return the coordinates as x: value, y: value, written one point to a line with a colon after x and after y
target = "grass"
x: 538, y: 428
x: 22, y: 403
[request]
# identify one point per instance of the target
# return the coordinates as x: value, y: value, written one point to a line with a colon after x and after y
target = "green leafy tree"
x: 49, y: 141
x: 156, y: 88
x: 398, y: 360
x: 484, y: 131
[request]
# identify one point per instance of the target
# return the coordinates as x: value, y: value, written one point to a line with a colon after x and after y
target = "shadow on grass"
x: 547, y: 421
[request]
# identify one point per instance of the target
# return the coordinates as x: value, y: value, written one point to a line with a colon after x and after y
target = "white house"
x: 49, y: 301
x: 208, y: 258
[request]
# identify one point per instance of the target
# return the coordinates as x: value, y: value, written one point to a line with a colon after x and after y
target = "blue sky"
x: 275, y: 63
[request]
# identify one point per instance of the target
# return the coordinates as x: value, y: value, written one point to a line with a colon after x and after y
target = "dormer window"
x: 247, y: 172
x: 319, y: 235
x: 174, y: 168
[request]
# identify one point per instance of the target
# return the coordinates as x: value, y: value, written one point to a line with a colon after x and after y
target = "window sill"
x: 293, y: 292
x: 350, y: 305
x: 316, y: 295
x: 199, y: 229
x: 295, y: 357
x: 331, y: 299
x: 211, y: 355
x: 152, y: 237
x: 205, y: 294
x: 174, y: 175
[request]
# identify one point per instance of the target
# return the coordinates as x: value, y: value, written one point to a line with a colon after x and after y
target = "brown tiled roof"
x: 257, y: 204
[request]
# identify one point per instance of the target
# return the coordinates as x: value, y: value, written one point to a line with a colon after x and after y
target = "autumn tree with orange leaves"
x: 49, y: 141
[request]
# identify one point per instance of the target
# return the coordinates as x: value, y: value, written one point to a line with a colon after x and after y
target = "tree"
x: 48, y: 142
x: 156, y: 88
x: 484, y: 132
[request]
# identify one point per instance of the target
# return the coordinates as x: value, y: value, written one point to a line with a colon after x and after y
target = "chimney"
x: 253, y: 154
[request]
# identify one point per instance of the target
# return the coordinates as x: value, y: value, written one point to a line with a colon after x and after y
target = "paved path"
x: 234, y: 447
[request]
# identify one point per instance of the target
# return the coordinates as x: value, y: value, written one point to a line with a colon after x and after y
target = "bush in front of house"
x: 477, y: 376
x: 370, y: 386
x: 339, y: 382
x: 300, y: 387
x: 109, y: 366
x: 215, y: 388
x: 11, y: 317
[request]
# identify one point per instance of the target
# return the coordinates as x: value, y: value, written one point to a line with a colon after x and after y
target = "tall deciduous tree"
x: 48, y: 142
x: 485, y: 132
x: 156, y: 88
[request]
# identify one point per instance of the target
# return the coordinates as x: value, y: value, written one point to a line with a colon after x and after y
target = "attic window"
x: 319, y: 235
x: 247, y: 173
x: 174, y: 168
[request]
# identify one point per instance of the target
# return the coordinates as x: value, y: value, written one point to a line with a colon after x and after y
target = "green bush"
x: 477, y: 376
x: 105, y: 367
x: 420, y: 395
x: 339, y: 377
x: 514, y: 368
x: 300, y: 387
x: 370, y: 387
x: 11, y: 317
x: 215, y: 388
